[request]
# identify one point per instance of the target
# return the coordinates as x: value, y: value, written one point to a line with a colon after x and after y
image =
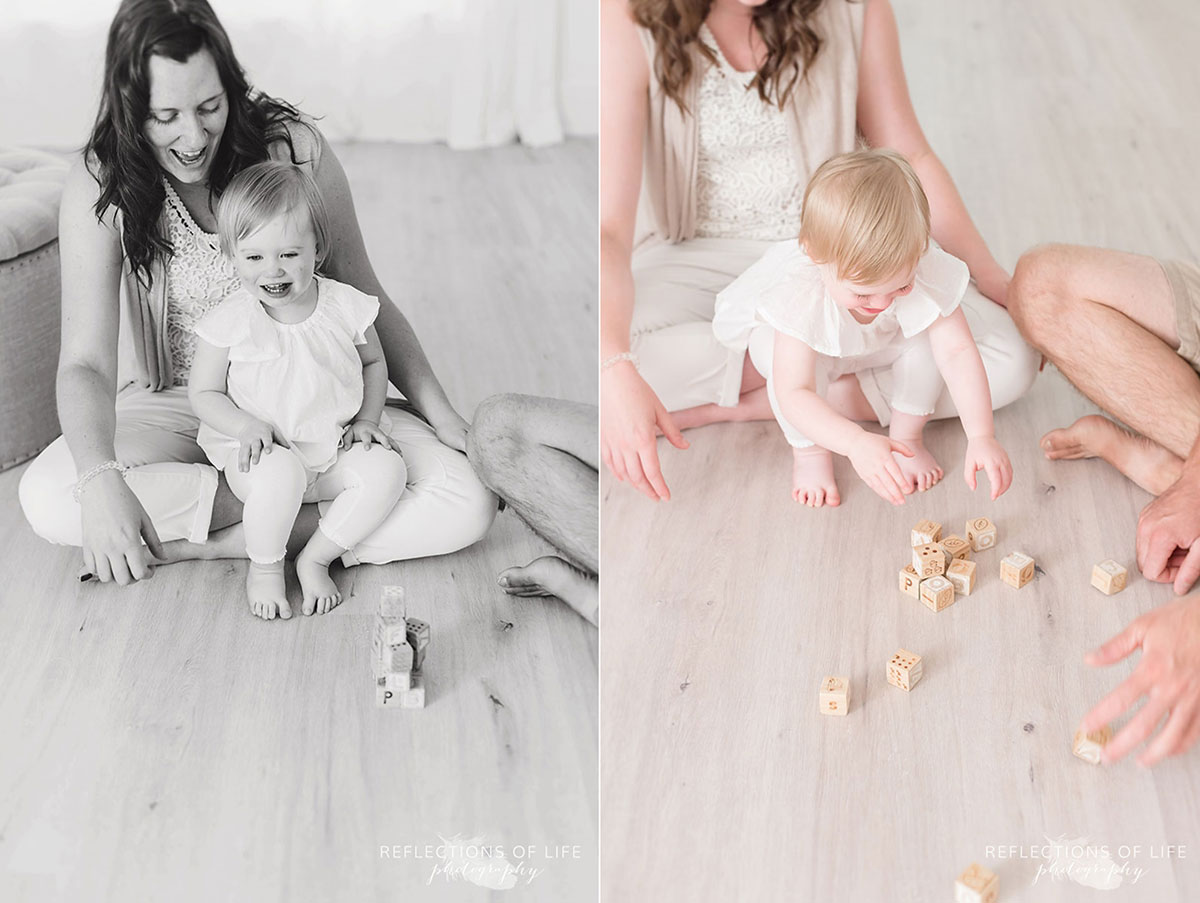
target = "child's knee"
x: 277, y: 474
x: 379, y: 469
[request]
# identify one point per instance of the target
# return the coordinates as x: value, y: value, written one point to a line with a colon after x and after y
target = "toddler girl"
x: 864, y: 288
x: 289, y: 383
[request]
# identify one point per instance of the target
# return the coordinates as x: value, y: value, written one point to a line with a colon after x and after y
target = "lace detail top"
x: 747, y: 185
x: 199, y: 277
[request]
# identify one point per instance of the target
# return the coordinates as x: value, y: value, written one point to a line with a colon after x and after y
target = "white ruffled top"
x: 784, y: 290
x: 305, y: 379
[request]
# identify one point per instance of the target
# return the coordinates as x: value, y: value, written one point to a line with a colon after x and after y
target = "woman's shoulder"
x: 297, y: 140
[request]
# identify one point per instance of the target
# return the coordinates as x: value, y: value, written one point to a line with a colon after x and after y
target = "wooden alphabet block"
x: 398, y: 680
x: 1088, y: 746
x: 1109, y: 577
x: 835, y: 696
x: 961, y: 575
x: 976, y: 885
x: 1016, y: 569
x: 929, y: 560
x: 937, y: 593
x: 904, y: 669
x: 396, y: 659
x: 388, y: 632
x: 981, y: 533
x: 925, y: 532
x: 910, y: 581
x: 386, y: 698
x: 418, y: 638
x: 411, y: 698
x: 958, y: 547
x: 391, y: 602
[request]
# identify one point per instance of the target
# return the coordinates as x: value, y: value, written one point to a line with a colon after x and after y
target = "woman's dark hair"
x: 118, y: 154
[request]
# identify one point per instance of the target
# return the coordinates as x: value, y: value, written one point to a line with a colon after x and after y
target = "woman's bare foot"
x: 1145, y: 462
x: 551, y: 576
x: 921, y: 471
x: 321, y: 594
x: 266, y: 592
x: 812, y: 477
x: 754, y: 405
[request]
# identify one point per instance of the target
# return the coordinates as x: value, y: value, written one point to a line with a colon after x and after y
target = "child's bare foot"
x: 812, y: 477
x: 265, y: 590
x: 1145, y: 462
x: 921, y: 471
x: 321, y: 594
x: 551, y: 576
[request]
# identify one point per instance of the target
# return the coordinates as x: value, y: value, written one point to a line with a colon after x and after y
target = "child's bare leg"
x: 921, y: 471
x: 321, y: 594
x: 812, y: 477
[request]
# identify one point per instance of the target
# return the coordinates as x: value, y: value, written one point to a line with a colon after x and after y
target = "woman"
x: 176, y: 122
x: 718, y: 111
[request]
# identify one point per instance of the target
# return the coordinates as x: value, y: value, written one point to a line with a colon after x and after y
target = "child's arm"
x: 365, y: 428
x: 958, y: 360
x: 795, y: 378
x: 207, y: 392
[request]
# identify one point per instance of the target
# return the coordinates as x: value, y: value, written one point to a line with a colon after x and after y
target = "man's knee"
x: 494, y: 440
x: 1040, y: 289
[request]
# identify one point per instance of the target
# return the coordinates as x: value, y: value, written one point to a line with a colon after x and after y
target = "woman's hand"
x: 114, y: 525
x: 366, y: 432
x: 985, y: 453
x: 630, y: 413
x: 872, y: 458
x: 257, y: 439
x: 994, y: 285
x: 450, y: 428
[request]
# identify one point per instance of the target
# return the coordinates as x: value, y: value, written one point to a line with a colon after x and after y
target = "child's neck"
x: 298, y: 312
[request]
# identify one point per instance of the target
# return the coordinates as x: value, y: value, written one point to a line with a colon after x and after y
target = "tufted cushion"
x: 31, y: 185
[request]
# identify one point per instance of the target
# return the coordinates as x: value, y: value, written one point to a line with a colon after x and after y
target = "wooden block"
x: 904, y: 669
x: 1016, y: 569
x: 392, y: 659
x: 418, y: 638
x: 398, y: 680
x: 981, y: 533
x: 391, y: 602
x: 388, y: 632
x: 962, y: 575
x: 1088, y: 746
x: 414, y: 697
x: 385, y: 698
x: 910, y: 581
x: 835, y: 696
x: 958, y: 547
x: 976, y: 885
x: 937, y: 593
x: 929, y: 560
x: 925, y: 532
x: 1109, y: 577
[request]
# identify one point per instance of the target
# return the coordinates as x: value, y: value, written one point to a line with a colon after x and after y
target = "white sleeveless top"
x: 199, y: 277
x: 747, y: 185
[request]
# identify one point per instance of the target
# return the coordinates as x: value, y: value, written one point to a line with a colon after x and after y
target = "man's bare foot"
x: 812, y: 477
x: 921, y: 471
x: 754, y: 405
x: 266, y: 592
x: 551, y: 576
x: 321, y: 594
x: 1140, y: 459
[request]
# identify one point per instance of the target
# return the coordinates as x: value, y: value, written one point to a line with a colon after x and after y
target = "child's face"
x: 866, y: 302
x: 276, y: 261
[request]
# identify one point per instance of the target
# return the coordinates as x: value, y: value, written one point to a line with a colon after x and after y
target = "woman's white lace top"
x: 199, y: 277
x: 747, y: 184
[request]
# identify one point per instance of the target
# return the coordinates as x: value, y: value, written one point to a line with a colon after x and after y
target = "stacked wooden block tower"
x: 398, y: 647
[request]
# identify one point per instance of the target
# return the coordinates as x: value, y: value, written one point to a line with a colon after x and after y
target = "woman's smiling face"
x: 188, y: 112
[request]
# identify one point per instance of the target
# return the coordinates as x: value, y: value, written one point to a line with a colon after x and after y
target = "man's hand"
x: 1168, y: 675
x: 1168, y: 535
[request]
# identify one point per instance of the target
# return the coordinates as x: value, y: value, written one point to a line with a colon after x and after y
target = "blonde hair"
x: 261, y: 192
x: 866, y: 213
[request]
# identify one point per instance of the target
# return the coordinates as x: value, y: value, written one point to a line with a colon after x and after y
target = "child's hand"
x: 985, y: 453
x: 366, y: 432
x: 873, y: 461
x: 257, y: 439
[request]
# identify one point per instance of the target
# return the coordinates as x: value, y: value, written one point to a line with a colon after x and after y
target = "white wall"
x: 376, y: 70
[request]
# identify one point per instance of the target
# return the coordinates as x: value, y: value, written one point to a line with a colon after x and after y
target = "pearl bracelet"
x: 617, y: 358
x: 82, y: 482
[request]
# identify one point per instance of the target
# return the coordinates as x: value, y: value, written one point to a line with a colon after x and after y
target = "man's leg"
x: 1106, y: 319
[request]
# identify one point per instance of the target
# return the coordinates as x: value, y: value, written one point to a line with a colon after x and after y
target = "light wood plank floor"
x: 158, y: 742
x: 1070, y: 121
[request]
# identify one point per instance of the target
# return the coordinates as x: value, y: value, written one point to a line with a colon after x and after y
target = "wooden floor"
x: 1069, y: 121
x: 159, y: 743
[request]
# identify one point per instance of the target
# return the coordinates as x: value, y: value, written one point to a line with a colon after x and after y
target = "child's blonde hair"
x: 261, y: 192
x: 866, y: 213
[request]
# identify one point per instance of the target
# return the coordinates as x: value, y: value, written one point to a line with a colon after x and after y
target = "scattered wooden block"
x: 925, y: 532
x: 1109, y: 577
x: 391, y: 602
x: 958, y: 547
x: 904, y: 669
x: 961, y: 575
x: 835, y: 696
x: 937, y: 593
x: 1016, y: 569
x: 910, y: 581
x: 929, y: 560
x: 1088, y: 746
x: 981, y: 533
x: 976, y: 885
